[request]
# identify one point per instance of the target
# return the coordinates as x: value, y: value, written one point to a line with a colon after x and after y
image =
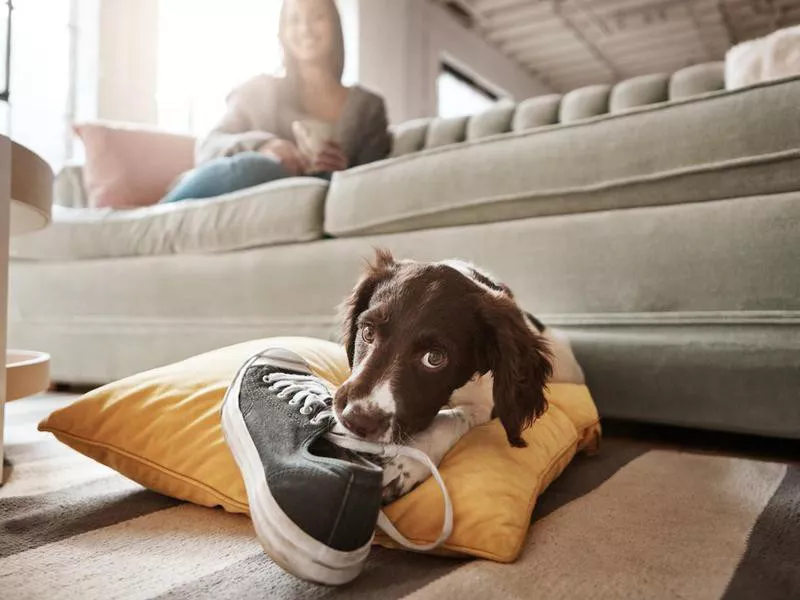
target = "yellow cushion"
x: 161, y: 428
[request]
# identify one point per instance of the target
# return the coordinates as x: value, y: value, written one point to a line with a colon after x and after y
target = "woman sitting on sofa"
x: 305, y: 123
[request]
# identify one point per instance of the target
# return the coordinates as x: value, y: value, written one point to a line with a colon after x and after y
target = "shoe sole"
x: 287, y: 544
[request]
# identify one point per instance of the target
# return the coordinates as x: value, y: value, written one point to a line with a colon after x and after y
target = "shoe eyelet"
x: 305, y: 411
x: 265, y: 379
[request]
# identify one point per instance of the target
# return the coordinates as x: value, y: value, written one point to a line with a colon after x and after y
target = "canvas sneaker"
x: 314, y: 497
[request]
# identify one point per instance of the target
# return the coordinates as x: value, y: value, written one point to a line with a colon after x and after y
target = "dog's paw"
x: 400, y: 476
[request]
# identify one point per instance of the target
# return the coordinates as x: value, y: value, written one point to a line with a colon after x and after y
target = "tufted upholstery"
x: 442, y: 132
x: 541, y: 111
x: 639, y: 91
x: 594, y: 149
x: 497, y: 119
x: 536, y: 112
x: 583, y: 103
x: 696, y: 80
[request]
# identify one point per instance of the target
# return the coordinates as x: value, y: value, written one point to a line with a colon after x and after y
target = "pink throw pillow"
x: 127, y: 166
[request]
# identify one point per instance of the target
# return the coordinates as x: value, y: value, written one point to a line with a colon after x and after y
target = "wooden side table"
x: 26, y: 198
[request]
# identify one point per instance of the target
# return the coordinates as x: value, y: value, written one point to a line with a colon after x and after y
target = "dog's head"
x: 416, y: 332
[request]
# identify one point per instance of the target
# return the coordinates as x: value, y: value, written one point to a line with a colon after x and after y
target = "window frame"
x: 448, y: 67
x: 5, y: 93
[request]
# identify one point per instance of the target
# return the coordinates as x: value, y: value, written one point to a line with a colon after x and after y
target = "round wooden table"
x: 31, y: 191
x: 26, y: 198
x: 27, y: 371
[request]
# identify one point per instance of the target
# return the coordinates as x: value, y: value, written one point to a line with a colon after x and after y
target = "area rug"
x: 633, y: 522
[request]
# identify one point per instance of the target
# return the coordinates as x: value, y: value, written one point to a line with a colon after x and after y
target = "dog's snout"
x: 365, y: 422
x: 341, y: 397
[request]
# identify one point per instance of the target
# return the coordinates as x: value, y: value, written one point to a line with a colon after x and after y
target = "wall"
x: 470, y: 52
x: 349, y: 13
x: 128, y: 72
x: 393, y: 46
x: 128, y: 88
x: 84, y: 97
x: 386, y: 56
x: 402, y: 44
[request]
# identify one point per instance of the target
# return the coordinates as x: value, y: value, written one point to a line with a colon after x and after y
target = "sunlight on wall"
x: 206, y: 48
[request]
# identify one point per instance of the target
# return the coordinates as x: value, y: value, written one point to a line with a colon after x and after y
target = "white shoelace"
x: 391, y: 451
x: 305, y: 391
x: 309, y: 393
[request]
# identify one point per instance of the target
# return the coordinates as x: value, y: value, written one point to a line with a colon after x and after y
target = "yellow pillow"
x: 161, y: 428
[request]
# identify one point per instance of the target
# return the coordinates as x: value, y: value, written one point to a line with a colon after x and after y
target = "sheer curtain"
x: 53, y: 75
x: 207, y: 47
x: 40, y: 77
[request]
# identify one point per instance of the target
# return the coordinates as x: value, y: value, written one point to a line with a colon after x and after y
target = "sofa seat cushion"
x: 273, y: 213
x: 717, y: 146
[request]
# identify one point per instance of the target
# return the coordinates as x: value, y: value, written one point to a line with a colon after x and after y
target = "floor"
x: 664, y: 523
x: 733, y: 444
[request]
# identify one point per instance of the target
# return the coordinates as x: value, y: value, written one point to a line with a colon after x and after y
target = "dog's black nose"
x: 364, y: 421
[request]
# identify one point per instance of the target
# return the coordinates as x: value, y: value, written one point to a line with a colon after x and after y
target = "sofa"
x: 655, y: 221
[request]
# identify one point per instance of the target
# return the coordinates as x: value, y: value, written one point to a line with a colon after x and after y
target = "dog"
x: 436, y: 349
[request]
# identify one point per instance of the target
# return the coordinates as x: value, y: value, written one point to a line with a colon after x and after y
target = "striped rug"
x: 634, y: 522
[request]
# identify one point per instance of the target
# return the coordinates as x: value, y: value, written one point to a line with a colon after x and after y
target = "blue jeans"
x: 229, y: 174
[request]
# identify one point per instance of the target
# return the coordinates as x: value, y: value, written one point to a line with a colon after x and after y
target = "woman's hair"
x: 337, y: 53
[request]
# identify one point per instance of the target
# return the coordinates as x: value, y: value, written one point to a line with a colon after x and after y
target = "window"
x: 205, y: 50
x: 460, y: 95
x: 5, y: 49
x: 39, y: 75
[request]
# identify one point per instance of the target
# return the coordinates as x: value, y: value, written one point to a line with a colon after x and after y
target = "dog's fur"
x: 495, y: 359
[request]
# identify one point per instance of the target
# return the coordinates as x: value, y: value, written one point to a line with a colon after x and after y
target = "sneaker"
x: 314, y: 498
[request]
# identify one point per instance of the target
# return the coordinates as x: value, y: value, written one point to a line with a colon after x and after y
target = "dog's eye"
x: 368, y: 334
x: 435, y: 359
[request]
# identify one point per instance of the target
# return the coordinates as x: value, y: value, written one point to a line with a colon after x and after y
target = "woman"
x: 255, y: 141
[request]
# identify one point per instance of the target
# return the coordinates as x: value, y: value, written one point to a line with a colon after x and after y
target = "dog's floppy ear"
x: 376, y: 272
x: 520, y: 361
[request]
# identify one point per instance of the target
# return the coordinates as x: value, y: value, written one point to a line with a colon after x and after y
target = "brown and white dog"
x: 439, y: 348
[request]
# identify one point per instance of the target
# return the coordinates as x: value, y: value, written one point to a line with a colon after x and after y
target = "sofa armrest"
x: 68, y: 189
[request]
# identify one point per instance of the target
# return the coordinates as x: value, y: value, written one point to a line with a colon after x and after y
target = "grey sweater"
x: 259, y: 111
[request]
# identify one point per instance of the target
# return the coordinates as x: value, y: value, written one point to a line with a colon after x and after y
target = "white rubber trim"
x: 280, y: 358
x: 286, y: 543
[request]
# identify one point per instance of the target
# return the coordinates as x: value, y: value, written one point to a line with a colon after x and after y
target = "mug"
x: 312, y: 135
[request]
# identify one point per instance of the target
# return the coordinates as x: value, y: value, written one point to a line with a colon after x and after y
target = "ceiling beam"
x: 583, y: 40
x: 524, y: 30
x: 527, y: 14
x: 592, y: 16
x: 483, y: 28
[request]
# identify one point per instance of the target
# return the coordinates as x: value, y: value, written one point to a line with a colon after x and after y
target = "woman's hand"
x: 331, y: 158
x: 285, y: 152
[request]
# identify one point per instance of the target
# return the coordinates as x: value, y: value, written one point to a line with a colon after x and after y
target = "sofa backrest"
x: 505, y: 117
x: 554, y: 109
x: 68, y: 187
